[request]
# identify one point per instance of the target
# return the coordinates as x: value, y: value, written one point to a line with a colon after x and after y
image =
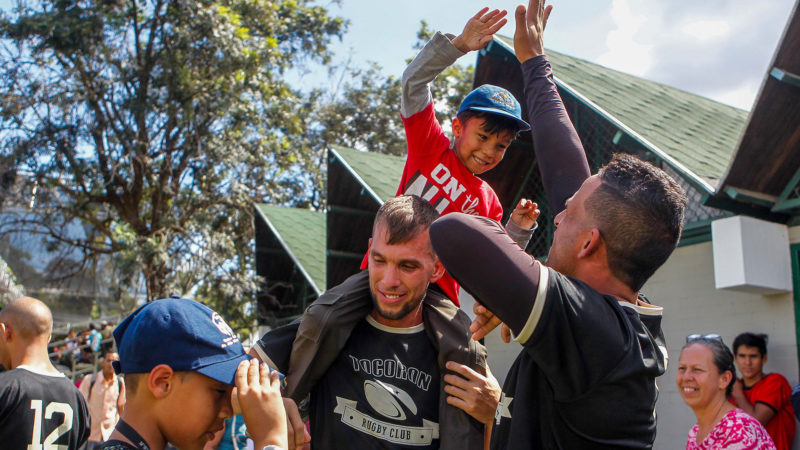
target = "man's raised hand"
x: 483, y: 323
x: 531, y: 23
x: 480, y: 29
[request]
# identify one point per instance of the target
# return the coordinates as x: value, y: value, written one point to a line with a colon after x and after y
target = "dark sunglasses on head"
x: 703, y: 337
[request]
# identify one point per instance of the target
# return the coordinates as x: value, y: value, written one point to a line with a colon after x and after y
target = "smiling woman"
x: 705, y: 379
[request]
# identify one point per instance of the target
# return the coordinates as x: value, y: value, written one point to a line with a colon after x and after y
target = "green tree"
x: 154, y: 124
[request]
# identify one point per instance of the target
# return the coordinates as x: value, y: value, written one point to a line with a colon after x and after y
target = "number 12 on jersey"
x: 38, y: 424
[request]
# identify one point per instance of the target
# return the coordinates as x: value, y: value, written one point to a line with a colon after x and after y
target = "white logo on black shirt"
x: 398, y: 434
x: 390, y: 368
x: 503, y: 408
x: 384, y: 397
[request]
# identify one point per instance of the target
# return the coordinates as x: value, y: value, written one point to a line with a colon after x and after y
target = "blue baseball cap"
x: 494, y: 100
x: 181, y: 333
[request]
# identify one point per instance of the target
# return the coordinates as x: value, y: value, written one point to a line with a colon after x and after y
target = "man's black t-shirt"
x: 586, y: 375
x: 41, y: 410
x: 117, y: 445
x: 382, y: 392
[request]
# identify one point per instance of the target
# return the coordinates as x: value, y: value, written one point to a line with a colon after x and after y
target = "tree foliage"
x: 155, y: 123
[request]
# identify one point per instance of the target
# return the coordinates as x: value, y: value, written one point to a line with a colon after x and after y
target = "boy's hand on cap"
x: 525, y: 214
x: 531, y: 23
x: 480, y: 30
x: 259, y: 395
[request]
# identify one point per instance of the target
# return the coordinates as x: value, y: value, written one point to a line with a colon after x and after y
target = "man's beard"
x: 407, y: 308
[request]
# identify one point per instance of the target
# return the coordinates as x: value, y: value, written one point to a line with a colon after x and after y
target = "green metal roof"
x: 380, y: 174
x: 301, y: 232
x: 696, y: 135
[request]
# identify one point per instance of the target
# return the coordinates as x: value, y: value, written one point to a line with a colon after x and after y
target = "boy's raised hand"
x: 530, y: 29
x: 480, y: 29
x: 259, y: 394
x: 525, y: 214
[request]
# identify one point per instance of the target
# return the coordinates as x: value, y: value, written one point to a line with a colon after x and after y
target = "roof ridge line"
x: 623, y: 127
x: 286, y: 246
x: 635, y: 76
x: 361, y: 181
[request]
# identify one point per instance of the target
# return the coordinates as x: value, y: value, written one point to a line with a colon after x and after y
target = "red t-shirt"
x: 434, y: 172
x: 774, y: 391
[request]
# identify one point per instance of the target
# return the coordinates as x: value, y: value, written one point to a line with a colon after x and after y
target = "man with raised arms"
x: 592, y: 345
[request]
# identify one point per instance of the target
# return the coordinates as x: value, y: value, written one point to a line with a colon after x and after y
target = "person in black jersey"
x: 39, y: 406
x: 592, y: 345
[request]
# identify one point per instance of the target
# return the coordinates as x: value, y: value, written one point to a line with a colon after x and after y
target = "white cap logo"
x: 225, y: 329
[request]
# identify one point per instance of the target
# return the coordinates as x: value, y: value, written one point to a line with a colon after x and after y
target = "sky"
x: 719, y: 49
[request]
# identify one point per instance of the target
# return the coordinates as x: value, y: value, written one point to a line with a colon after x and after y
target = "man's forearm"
x: 275, y: 347
x: 559, y: 152
x: 478, y: 253
x: 438, y: 54
x: 745, y: 405
x: 759, y: 410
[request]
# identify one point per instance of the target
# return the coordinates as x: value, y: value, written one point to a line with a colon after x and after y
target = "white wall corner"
x: 751, y: 255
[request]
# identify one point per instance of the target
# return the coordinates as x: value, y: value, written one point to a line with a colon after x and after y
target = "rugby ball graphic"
x: 386, y: 399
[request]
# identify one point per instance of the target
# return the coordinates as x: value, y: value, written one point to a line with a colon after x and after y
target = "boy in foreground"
x: 181, y: 362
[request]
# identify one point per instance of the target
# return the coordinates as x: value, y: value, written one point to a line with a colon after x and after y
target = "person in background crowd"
x: 94, y: 338
x: 796, y: 401
x: 106, y: 333
x: 705, y: 379
x: 767, y: 397
x: 105, y: 393
x: 71, y: 344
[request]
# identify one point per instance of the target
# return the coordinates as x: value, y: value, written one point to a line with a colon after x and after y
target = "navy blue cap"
x: 183, y: 334
x: 494, y: 100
